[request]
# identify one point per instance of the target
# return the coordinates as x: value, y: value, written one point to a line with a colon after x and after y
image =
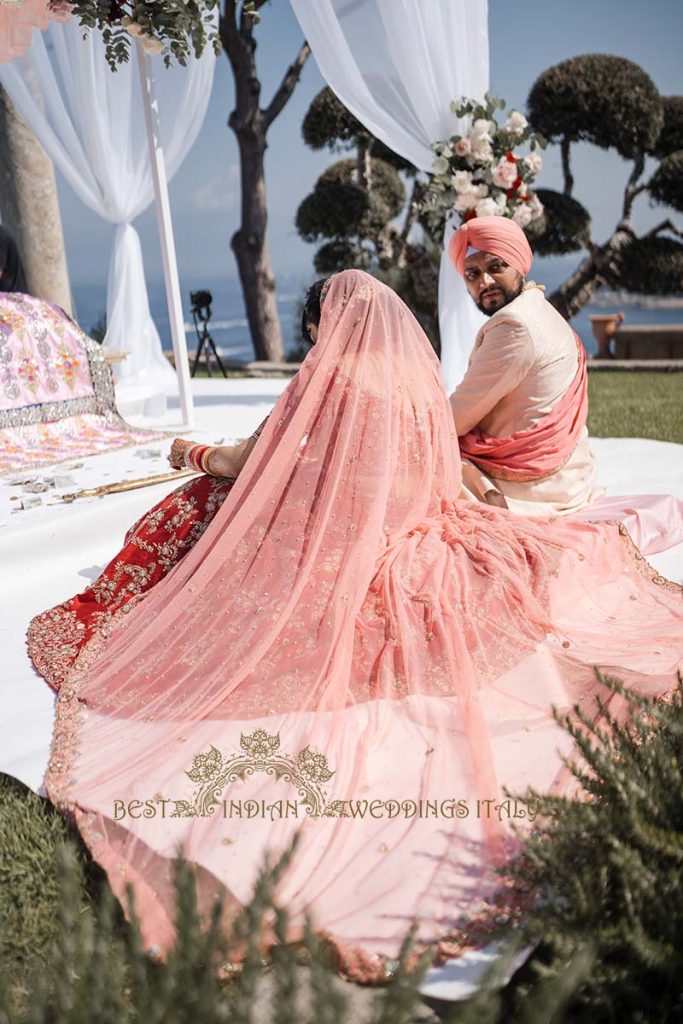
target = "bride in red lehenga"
x: 151, y: 547
x: 351, y: 651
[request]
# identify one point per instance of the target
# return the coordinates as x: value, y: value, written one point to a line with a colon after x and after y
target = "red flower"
x: 468, y: 216
x: 510, y: 157
x: 515, y: 185
x: 116, y: 12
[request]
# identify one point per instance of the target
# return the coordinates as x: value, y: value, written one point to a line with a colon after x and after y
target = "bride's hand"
x: 176, y: 457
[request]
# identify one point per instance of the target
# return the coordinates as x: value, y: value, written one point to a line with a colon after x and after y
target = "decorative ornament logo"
x: 261, y: 753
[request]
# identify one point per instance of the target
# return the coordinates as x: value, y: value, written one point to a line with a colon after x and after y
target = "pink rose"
x: 522, y: 215
x: 504, y: 174
x: 463, y: 147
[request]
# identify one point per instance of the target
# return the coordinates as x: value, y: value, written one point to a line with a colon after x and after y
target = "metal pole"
x: 168, y: 255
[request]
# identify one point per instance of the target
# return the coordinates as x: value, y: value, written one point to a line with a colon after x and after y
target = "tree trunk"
x: 577, y: 290
x: 30, y: 207
x: 599, y: 267
x: 250, y: 124
x: 250, y: 246
x: 603, y: 262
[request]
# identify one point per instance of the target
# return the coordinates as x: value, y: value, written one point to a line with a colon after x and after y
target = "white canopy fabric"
x: 396, y: 65
x: 90, y: 121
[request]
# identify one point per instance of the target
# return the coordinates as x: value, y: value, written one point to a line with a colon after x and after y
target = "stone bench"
x: 643, y: 341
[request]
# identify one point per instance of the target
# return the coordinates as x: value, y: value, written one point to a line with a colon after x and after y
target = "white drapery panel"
x: 396, y: 65
x: 90, y: 121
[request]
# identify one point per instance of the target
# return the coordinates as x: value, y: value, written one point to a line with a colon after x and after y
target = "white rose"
x: 504, y: 173
x: 482, y: 151
x: 151, y: 44
x: 522, y: 215
x: 462, y: 181
x: 487, y: 208
x: 534, y: 162
x: 480, y: 131
x: 516, y: 123
x: 466, y: 201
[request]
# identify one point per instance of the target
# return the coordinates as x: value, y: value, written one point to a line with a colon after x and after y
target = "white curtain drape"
x: 396, y: 65
x: 90, y: 121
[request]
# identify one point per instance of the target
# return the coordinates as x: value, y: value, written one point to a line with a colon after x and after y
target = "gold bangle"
x: 204, y: 461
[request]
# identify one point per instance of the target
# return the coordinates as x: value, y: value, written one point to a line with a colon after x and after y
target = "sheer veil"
x: 346, y: 617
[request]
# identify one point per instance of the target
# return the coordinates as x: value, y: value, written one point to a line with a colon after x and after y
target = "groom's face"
x: 491, y: 281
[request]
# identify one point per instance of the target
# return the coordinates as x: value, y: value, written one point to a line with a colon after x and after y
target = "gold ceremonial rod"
x: 127, y: 485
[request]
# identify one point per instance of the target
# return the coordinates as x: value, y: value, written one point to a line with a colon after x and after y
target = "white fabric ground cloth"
x: 50, y: 552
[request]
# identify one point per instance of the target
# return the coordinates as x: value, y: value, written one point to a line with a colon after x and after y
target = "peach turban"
x: 497, y: 235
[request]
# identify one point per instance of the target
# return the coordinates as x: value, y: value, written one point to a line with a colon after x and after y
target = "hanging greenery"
x: 176, y: 28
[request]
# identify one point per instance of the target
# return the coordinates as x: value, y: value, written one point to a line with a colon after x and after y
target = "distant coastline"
x: 610, y: 297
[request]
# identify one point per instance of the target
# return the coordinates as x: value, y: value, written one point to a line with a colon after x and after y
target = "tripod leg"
x: 197, y: 357
x: 218, y: 358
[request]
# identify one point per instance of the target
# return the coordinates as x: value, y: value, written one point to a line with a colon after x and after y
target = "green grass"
x: 31, y: 832
x: 636, y: 404
x: 622, y: 404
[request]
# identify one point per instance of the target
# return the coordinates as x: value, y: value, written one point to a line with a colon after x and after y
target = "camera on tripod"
x: 201, y: 305
x: 201, y: 314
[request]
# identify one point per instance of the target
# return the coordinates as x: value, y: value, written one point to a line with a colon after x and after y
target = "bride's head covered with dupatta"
x: 259, y: 617
x: 344, y: 603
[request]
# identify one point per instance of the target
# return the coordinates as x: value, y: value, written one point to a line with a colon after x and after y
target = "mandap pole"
x: 163, y: 208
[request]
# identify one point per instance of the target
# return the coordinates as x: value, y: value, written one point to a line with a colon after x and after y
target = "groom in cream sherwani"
x: 520, y: 410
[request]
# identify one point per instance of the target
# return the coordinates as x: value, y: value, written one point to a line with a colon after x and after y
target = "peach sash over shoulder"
x: 541, y: 449
x: 352, y: 651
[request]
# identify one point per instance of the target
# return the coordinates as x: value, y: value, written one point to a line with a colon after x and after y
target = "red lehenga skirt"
x: 152, y: 546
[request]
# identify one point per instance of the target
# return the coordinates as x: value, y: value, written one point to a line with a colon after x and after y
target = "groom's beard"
x: 503, y: 295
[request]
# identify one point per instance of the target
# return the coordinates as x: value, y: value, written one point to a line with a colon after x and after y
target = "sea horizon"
x: 229, y: 328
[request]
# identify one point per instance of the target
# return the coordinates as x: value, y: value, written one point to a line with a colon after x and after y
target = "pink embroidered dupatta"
x: 350, y: 639
x: 541, y: 449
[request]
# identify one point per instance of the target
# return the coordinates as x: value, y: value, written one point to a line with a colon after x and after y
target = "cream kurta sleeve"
x: 503, y: 355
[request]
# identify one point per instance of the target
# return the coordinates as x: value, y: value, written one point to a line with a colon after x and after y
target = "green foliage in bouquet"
x: 176, y: 28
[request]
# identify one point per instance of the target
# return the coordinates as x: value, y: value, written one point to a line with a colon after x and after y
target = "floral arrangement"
x: 483, y: 172
x: 176, y: 28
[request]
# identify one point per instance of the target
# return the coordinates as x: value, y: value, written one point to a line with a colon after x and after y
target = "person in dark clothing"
x: 12, y: 276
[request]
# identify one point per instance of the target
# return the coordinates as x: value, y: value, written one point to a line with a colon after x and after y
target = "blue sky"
x: 526, y: 36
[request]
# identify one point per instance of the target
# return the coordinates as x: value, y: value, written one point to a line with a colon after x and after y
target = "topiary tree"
x: 354, y: 200
x: 611, y: 103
